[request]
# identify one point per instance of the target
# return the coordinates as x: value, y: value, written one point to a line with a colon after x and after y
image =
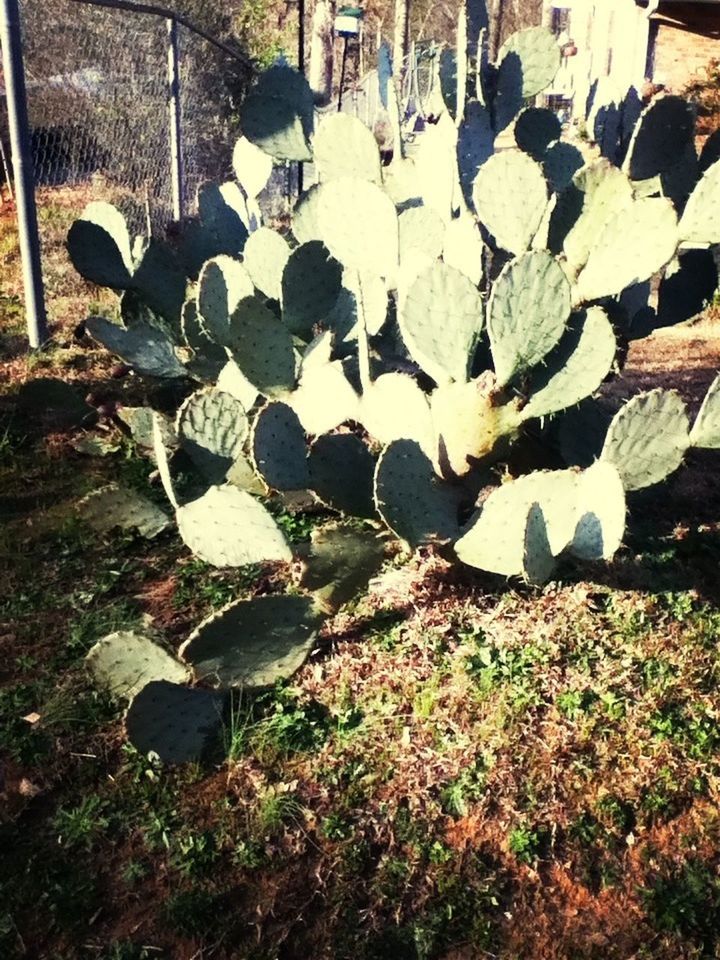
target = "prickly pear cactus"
x: 387, y: 350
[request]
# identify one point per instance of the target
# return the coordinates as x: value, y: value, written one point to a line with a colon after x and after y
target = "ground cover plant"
x: 388, y: 752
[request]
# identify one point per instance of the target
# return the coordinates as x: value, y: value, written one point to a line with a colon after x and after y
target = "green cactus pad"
x: 648, y: 438
x: 710, y: 153
x: 536, y: 128
x: 463, y: 248
x: 396, y: 408
x: 510, y: 197
x: 598, y: 193
x: 635, y: 244
x: 100, y: 248
x: 361, y: 296
x: 341, y: 474
x: 501, y: 535
x: 310, y: 400
x: 706, y: 429
x: 560, y: 164
x: 211, y: 426
x: 661, y: 135
x: 416, y: 505
x: 232, y: 380
x: 252, y: 167
x: 689, y: 283
x: 581, y: 431
x: 700, y: 222
x: 423, y: 229
x: 508, y: 100
x: 359, y: 225
x: 134, y: 310
x: 341, y: 563
x: 161, y: 283
x: 310, y: 286
x: 435, y: 167
x: 305, y: 222
x: 528, y: 312
x: 178, y: 724
x: 475, y: 145
x: 114, y: 506
x: 440, y: 322
x: 265, y: 257
x: 123, y: 662
x: 223, y: 283
x: 139, y: 421
x: 344, y: 147
x: 261, y: 346
x: 576, y: 368
x: 144, y: 348
x: 242, y: 475
x: 253, y: 643
x: 601, y: 509
x: 228, y: 528
x: 224, y: 218
x: 208, y: 358
x: 539, y: 55
x: 277, y: 116
x: 538, y: 559
x: 279, y: 448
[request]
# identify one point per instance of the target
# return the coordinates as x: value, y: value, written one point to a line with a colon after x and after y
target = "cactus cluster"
x: 390, y: 350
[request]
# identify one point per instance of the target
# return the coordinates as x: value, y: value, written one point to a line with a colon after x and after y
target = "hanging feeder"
x: 347, y: 22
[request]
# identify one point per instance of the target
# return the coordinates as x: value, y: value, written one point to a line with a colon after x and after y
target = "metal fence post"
x: 12, y: 54
x: 176, y: 150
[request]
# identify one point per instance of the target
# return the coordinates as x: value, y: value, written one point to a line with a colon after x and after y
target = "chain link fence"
x: 98, y: 105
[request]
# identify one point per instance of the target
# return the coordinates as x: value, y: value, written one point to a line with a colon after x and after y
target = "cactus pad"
x: 395, y: 408
x: 279, y: 449
x: 224, y: 217
x: 536, y: 128
x: 706, y: 429
x: 277, y: 116
x: 261, y: 346
x: 310, y: 287
x: 529, y: 309
x: 160, y: 452
x: 123, y: 662
x: 223, y: 283
x: 341, y: 563
x: 361, y: 296
x: 177, y: 723
x: 700, y: 222
x: 511, y: 216
x: 344, y: 147
x: 359, y: 225
x: 99, y: 246
x: 475, y: 145
x: 539, y: 56
x: 341, y: 474
x: 416, y: 505
x: 648, y: 438
x: 232, y: 380
x: 600, y: 498
x: 576, y: 368
x: 228, y: 528
x: 463, y: 247
x: 211, y: 426
x: 560, y: 164
x: 265, y: 257
x: 145, y: 348
x: 661, y: 136
x: 310, y: 400
x: 252, y: 167
x: 305, y: 223
x: 440, y: 322
x: 423, y: 229
x: 253, y: 643
x: 114, y: 506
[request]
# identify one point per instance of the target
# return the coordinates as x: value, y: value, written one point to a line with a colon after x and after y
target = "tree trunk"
x: 321, y: 53
x: 401, y: 45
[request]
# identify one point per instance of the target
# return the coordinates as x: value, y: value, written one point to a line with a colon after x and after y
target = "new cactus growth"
x: 389, y: 351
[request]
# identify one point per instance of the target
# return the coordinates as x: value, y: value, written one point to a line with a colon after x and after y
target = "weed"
x: 526, y: 844
x: 289, y: 727
x: 276, y: 807
x: 249, y: 854
x: 686, y: 900
x: 336, y: 827
x: 571, y: 703
x: 133, y: 872
x: 468, y: 788
x: 193, y: 854
x: 81, y: 825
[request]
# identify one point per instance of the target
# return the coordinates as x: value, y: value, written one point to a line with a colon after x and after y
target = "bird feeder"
x: 347, y: 22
